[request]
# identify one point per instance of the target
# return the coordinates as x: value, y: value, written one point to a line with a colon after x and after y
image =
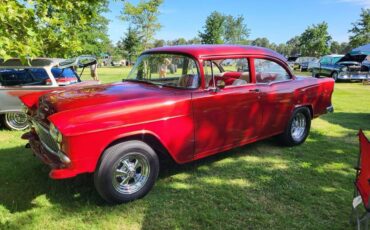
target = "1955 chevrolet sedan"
x: 185, y: 102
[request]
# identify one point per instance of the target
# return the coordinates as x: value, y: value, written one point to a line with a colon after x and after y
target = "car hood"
x: 352, y: 58
x: 99, y: 94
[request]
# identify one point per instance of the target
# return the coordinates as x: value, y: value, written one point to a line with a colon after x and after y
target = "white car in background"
x: 39, y: 74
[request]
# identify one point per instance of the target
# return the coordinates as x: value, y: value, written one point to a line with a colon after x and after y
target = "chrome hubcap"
x: 17, y: 121
x: 298, y: 127
x: 130, y: 173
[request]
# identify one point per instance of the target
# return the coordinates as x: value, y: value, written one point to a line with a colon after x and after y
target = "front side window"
x: 172, y: 70
x: 23, y: 77
x: 231, y: 72
x: 269, y: 71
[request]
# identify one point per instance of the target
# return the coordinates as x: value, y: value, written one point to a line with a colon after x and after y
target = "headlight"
x: 55, y: 134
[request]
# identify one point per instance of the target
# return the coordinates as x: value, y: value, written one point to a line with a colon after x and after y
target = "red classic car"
x: 186, y: 102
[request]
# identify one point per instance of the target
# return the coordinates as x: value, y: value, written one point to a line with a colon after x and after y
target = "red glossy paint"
x: 188, y: 124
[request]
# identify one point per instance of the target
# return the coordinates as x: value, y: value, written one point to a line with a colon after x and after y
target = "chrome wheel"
x: 130, y: 174
x: 298, y: 127
x: 16, y: 121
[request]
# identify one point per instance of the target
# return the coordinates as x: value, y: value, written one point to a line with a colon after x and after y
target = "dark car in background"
x: 355, y: 65
x: 302, y: 63
x: 291, y: 61
x: 343, y: 67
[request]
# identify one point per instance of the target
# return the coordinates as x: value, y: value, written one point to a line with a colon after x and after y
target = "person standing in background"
x: 94, y: 71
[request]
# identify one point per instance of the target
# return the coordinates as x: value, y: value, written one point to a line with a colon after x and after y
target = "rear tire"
x: 298, y: 127
x: 16, y: 121
x: 127, y: 171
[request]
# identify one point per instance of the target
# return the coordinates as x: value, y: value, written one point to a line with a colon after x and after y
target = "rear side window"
x: 23, y: 77
x: 63, y: 73
x: 269, y: 71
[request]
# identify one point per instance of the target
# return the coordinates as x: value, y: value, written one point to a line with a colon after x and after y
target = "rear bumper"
x: 60, y: 168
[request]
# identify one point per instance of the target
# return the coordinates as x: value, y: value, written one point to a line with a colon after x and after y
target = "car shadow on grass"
x: 354, y: 121
x: 234, y: 188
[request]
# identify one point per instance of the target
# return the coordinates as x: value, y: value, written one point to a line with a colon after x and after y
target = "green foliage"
x: 159, y: 43
x: 220, y: 28
x: 262, y: 42
x: 18, y: 35
x: 131, y: 44
x: 50, y: 28
x: 213, y: 29
x: 361, y: 30
x: 236, y: 30
x: 314, y: 41
x: 144, y: 19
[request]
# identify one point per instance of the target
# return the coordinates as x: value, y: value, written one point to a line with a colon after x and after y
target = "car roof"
x: 202, y: 51
x: 35, y: 62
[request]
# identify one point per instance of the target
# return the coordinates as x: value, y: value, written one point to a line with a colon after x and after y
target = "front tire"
x: 298, y: 127
x: 334, y: 75
x: 314, y: 74
x: 127, y: 171
x: 16, y: 121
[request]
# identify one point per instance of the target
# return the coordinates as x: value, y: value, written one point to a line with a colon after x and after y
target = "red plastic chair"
x: 362, y: 183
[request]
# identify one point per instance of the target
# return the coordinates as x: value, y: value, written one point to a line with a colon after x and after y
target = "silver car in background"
x: 18, y: 78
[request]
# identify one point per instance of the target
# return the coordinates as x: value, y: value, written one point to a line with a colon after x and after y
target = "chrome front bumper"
x: 48, y: 143
x: 353, y: 76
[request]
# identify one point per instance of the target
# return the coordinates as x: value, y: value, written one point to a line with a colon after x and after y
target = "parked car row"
x: 220, y: 97
x: 353, y: 66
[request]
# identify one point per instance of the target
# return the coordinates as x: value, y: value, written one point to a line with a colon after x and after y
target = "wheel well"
x: 310, y: 109
x: 150, y: 140
x: 331, y: 74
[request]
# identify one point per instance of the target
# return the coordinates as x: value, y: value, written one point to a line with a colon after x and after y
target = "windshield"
x: 172, y: 70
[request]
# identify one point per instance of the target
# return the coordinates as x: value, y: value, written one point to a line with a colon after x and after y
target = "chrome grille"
x: 46, y: 138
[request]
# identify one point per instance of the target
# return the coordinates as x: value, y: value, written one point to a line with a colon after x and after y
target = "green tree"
x: 131, y: 44
x: 314, y: 41
x: 195, y: 40
x: 262, y: 42
x: 18, y: 31
x: 360, y: 30
x: 213, y: 29
x: 159, y: 43
x: 292, y: 48
x: 335, y: 47
x: 94, y: 38
x: 235, y: 30
x: 144, y: 18
x: 46, y: 27
x: 344, y: 48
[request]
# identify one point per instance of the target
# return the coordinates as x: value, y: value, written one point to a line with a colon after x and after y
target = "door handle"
x: 254, y: 90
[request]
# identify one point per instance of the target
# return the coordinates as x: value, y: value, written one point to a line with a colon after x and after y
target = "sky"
x: 278, y: 20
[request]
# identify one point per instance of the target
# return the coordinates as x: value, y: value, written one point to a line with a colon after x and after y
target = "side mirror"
x: 220, y: 84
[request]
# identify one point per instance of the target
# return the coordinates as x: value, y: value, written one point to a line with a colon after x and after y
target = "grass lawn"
x: 258, y: 186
